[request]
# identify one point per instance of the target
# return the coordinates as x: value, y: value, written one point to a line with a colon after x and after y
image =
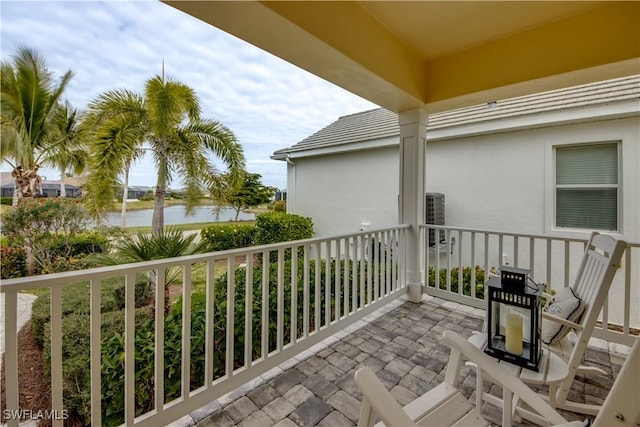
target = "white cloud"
x: 269, y: 103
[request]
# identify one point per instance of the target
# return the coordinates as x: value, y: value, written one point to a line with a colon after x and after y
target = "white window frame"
x: 551, y: 226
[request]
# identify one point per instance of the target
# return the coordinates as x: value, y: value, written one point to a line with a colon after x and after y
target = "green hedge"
x: 271, y: 227
x: 454, y: 277
x: 223, y: 237
x: 6, y: 201
x: 275, y: 227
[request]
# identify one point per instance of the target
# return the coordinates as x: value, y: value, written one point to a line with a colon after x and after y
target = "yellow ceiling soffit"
x: 341, y: 43
x: 597, y: 45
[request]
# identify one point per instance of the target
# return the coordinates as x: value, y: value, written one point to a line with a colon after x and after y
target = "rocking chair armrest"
x: 569, y: 323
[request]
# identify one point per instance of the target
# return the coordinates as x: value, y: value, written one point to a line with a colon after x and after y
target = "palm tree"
x: 29, y: 100
x: 115, y: 120
x: 66, y: 151
x: 168, y: 243
x: 165, y: 121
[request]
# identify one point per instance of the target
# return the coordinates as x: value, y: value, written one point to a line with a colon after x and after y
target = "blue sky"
x: 267, y: 102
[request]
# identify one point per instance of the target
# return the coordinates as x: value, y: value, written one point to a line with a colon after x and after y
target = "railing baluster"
x: 95, y: 352
x: 158, y: 367
x: 294, y: 294
x: 448, y: 278
x: 209, y: 320
x: 549, y: 249
x: 265, y: 306
x: 486, y: 256
x: 532, y: 250
x: 361, y: 273
x: 566, y: 264
x: 280, y: 302
x: 394, y: 260
x: 376, y: 266
x: 387, y: 263
x: 338, y: 281
x: 231, y: 298
x: 370, y: 263
x: 473, y: 265
x: 129, y: 348
x: 327, y: 284
x: 305, y: 294
x: 248, y: 312
x: 354, y: 280
x: 460, y: 265
x: 186, y: 330
x: 346, y: 279
x: 316, y: 298
x: 11, y: 355
x: 627, y: 290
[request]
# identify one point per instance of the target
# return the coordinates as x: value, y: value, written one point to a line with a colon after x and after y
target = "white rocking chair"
x: 445, y: 405
x: 594, y: 277
x: 597, y: 269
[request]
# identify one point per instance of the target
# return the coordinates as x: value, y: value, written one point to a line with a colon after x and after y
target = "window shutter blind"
x: 587, y: 164
x: 587, y: 186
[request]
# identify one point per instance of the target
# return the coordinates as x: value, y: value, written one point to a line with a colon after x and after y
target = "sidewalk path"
x: 25, y: 301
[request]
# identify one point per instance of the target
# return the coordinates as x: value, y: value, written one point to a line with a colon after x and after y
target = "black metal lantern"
x: 513, y: 312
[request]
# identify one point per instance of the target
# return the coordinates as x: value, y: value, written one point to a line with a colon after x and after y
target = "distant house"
x: 547, y: 147
x: 137, y: 192
x: 48, y: 189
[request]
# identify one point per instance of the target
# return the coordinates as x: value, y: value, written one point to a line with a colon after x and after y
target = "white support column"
x: 411, y: 204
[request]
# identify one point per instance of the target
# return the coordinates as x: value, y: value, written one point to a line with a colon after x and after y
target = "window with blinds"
x: 586, y: 186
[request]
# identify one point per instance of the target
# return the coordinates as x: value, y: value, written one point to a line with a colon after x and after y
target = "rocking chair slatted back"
x: 595, y: 275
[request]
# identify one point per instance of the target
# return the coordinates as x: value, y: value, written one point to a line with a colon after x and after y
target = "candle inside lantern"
x: 513, y: 335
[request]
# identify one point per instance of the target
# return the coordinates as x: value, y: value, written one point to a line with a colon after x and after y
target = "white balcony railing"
x: 262, y: 306
x: 455, y: 253
x: 279, y: 300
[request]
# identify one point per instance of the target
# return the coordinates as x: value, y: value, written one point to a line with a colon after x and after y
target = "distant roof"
x: 45, y: 186
x: 380, y: 123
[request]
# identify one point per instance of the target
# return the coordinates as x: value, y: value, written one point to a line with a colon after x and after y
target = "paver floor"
x: 403, y: 346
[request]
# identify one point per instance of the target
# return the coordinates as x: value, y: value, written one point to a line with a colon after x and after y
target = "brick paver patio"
x: 401, y: 343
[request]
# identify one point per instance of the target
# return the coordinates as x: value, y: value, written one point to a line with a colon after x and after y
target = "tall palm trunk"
x: 125, y: 196
x: 157, y: 222
x: 27, y: 181
x: 63, y: 187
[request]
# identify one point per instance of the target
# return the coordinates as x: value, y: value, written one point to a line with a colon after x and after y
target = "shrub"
x: 14, y: 262
x: 76, y: 299
x: 223, y: 237
x: 454, y: 277
x: 280, y: 206
x: 6, y: 201
x: 41, y: 226
x: 76, y: 375
x: 274, y: 227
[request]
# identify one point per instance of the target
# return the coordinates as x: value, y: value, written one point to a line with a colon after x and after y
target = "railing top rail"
x: 511, y: 234
x: 98, y: 273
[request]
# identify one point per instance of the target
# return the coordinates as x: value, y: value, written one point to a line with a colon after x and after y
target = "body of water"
x: 177, y: 215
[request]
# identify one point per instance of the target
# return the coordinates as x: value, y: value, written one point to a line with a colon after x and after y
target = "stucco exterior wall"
x: 499, y: 182
x: 504, y: 181
x: 341, y: 192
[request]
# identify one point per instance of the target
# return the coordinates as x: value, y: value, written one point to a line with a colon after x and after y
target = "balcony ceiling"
x: 439, y: 55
